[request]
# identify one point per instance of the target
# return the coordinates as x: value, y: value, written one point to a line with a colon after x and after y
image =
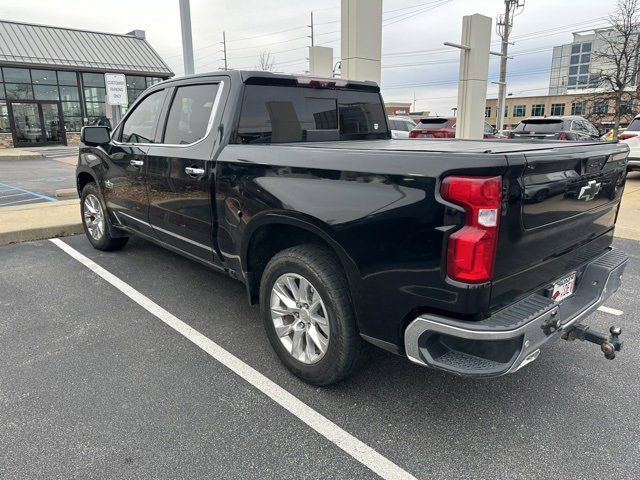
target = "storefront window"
x: 93, y: 79
x: 96, y: 109
x: 67, y: 78
x: 136, y: 83
x: 46, y: 92
x: 94, y: 94
x: 18, y: 91
x: 72, y: 124
x: 69, y: 93
x: 4, y: 118
x: 46, y: 77
x: 16, y: 75
x: 71, y: 109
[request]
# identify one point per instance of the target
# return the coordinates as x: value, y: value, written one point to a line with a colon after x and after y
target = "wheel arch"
x: 82, y: 178
x: 271, y: 233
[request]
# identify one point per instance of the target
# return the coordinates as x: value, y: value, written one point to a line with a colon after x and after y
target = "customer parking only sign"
x: 116, y: 89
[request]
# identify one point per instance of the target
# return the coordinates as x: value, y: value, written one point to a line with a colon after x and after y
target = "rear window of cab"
x: 284, y: 114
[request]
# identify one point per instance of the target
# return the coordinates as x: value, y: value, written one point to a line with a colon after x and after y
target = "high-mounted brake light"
x: 321, y: 82
x: 471, y: 251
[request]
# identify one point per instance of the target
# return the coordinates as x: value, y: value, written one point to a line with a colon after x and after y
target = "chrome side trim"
x: 214, y: 111
x: 180, y: 237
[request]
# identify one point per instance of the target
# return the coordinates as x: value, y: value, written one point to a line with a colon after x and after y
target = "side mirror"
x: 95, y: 136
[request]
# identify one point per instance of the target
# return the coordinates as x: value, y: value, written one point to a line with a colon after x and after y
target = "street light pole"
x: 311, y: 27
x: 504, y: 23
x: 224, y: 48
x: 187, y: 43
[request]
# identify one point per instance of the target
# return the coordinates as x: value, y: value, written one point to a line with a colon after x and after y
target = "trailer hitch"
x: 608, y: 344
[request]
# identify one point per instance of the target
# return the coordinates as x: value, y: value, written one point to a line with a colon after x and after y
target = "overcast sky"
x: 279, y: 26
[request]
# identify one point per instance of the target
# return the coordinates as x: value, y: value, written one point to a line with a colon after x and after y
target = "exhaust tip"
x: 528, y: 359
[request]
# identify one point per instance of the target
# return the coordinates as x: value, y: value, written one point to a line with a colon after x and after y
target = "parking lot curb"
x: 66, y: 192
x: 39, y: 221
x: 18, y: 154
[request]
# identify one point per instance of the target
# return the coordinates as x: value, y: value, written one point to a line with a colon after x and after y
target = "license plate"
x: 563, y: 288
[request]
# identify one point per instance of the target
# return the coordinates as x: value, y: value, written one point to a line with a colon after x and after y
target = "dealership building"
x: 52, y: 80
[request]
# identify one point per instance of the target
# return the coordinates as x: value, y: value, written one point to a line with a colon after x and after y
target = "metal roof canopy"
x: 29, y: 45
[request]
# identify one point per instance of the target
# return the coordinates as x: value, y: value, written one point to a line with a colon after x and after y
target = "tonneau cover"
x: 451, y: 145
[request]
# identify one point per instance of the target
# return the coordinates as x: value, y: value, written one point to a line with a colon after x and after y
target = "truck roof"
x: 270, y: 78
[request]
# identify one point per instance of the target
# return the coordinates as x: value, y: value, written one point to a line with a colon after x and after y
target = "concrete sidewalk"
x: 628, y: 224
x: 19, y: 154
x: 36, y: 221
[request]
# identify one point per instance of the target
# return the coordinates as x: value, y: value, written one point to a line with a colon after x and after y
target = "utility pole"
x: 504, y: 23
x: 414, y: 101
x: 311, y: 27
x: 224, y: 48
x: 187, y: 43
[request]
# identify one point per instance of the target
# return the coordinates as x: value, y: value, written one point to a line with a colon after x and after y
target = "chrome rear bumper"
x: 512, y: 337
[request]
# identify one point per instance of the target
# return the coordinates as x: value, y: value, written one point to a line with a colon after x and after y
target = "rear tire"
x: 318, y: 341
x: 95, y: 220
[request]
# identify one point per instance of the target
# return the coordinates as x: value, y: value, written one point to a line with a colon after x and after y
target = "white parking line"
x: 612, y: 311
x: 360, y: 451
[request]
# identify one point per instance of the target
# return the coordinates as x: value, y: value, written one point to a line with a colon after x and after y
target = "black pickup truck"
x: 465, y: 256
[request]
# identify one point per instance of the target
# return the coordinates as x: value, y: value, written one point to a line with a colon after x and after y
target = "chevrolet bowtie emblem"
x: 589, y: 191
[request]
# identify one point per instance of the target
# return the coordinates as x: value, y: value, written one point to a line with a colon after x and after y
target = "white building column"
x: 474, y: 70
x: 321, y: 61
x: 361, y: 39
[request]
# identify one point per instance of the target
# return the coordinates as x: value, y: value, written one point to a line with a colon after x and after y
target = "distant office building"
x: 575, y: 66
x: 585, y: 104
x: 52, y: 80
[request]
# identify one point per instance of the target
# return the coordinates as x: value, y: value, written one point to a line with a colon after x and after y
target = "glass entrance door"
x: 51, y: 122
x: 27, y: 124
x: 36, y: 123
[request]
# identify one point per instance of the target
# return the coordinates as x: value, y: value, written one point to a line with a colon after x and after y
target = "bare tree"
x: 619, y: 59
x: 266, y: 62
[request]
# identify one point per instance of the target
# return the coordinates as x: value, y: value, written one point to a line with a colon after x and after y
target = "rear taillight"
x: 563, y: 136
x: 627, y: 136
x: 414, y: 134
x: 471, y: 250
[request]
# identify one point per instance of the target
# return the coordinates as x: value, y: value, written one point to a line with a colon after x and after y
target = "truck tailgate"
x: 560, y: 212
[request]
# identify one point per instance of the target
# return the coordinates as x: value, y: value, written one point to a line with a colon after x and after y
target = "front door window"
x: 51, y: 122
x: 28, y: 125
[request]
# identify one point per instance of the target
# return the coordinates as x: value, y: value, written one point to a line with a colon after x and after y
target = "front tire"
x: 308, y: 316
x: 95, y: 220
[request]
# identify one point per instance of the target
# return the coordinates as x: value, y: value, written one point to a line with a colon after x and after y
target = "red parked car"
x: 443, y: 127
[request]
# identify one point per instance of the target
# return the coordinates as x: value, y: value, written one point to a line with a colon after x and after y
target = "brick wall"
x: 73, y: 138
x: 6, y: 140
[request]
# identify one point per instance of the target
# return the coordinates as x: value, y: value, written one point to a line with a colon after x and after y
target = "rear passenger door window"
x: 140, y: 125
x: 190, y: 114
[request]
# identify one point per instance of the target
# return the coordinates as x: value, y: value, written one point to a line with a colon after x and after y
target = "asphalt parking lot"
x: 93, y: 385
x: 32, y: 181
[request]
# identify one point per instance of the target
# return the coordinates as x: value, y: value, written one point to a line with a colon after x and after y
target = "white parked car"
x: 631, y: 136
x: 400, y: 126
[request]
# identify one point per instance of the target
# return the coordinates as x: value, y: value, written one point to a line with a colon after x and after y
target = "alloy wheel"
x: 93, y: 216
x: 300, y: 318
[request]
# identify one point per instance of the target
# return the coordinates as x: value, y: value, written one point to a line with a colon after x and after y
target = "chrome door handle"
x: 194, y: 171
x: 136, y: 163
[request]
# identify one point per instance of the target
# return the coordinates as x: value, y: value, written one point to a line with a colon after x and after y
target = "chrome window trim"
x: 214, y: 111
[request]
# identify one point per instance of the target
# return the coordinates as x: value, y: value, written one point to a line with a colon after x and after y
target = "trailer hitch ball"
x: 609, y: 345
